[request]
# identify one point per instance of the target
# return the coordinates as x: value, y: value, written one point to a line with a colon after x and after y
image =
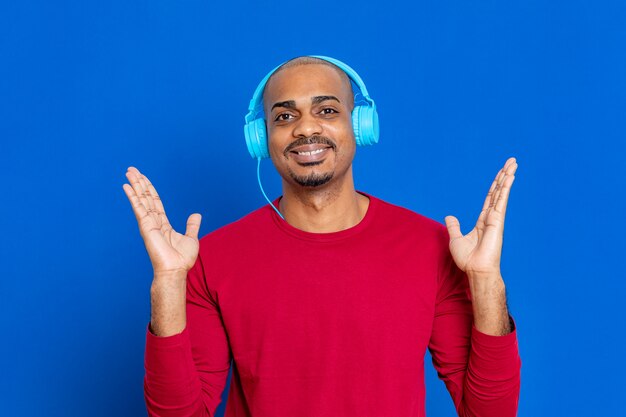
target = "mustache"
x: 309, y: 141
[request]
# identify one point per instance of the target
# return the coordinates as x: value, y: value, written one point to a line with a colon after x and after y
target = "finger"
x: 454, y: 227
x: 193, y: 225
x: 508, y: 169
x: 509, y: 162
x: 496, y: 188
x: 138, y: 208
x: 503, y: 198
x: 480, y: 223
x: 511, y: 167
x: 149, y: 199
x: 496, y: 191
x: 158, y: 204
x: 133, y: 177
x: 492, y: 190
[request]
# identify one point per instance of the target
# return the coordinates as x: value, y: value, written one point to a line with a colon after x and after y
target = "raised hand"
x: 478, y: 252
x: 169, y: 251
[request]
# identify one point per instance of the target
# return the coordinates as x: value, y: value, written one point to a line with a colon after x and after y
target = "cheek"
x: 275, y: 143
x: 348, y: 142
x: 341, y: 130
x: 348, y: 152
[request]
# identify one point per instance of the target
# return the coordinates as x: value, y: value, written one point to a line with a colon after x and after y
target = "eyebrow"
x: 319, y: 99
x: 291, y: 104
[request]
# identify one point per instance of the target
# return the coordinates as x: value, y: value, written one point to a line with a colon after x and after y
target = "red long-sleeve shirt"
x: 330, y: 324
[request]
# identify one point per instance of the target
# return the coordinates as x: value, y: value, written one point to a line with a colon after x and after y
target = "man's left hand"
x: 478, y: 252
x: 478, y: 255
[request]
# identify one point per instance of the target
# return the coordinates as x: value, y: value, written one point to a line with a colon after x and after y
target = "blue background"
x: 88, y: 88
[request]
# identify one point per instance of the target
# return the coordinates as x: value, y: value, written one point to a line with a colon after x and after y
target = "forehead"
x: 303, y: 82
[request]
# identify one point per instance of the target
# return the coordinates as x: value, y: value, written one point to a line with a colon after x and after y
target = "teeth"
x: 311, y: 153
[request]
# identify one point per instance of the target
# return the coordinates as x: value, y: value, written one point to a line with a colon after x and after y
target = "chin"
x: 314, y: 180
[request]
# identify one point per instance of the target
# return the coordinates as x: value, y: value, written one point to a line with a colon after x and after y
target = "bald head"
x: 309, y: 60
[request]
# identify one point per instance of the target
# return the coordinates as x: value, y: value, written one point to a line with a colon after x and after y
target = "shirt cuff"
x: 168, y: 361
x: 491, y: 339
x: 164, y: 341
x: 495, y: 357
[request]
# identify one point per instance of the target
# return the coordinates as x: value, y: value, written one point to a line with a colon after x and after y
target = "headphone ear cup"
x: 365, y: 125
x: 256, y: 138
x: 356, y: 124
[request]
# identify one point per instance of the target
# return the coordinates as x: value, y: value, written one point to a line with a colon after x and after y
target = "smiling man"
x: 326, y: 300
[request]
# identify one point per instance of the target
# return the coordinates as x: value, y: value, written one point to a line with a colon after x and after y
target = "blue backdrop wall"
x: 88, y: 88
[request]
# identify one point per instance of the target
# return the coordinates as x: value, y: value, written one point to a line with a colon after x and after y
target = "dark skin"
x: 310, y: 136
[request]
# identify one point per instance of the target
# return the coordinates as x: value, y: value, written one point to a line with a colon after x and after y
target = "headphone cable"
x: 258, y: 177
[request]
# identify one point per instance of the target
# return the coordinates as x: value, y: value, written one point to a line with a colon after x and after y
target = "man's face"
x: 308, y: 117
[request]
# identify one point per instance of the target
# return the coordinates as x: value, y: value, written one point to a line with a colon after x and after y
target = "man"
x: 327, y: 305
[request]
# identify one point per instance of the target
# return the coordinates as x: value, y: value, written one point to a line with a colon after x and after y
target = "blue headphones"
x: 364, y: 116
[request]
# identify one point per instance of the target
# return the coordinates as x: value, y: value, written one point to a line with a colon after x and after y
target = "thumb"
x: 454, y: 227
x: 193, y: 225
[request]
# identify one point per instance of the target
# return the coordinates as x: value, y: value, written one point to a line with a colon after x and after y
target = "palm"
x: 168, y: 249
x: 479, y: 251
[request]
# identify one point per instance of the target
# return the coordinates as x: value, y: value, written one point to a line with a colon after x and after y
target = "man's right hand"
x: 171, y: 253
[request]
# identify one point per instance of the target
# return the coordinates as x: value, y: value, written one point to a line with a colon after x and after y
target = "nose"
x: 307, y: 126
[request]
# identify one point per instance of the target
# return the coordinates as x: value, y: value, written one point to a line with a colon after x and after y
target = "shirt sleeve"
x: 481, y: 372
x: 186, y: 373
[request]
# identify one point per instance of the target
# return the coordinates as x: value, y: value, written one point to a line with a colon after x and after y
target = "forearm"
x: 187, y: 353
x: 491, y: 315
x: 171, y: 385
x: 167, y: 299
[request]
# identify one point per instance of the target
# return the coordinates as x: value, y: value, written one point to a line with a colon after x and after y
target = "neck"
x: 330, y: 208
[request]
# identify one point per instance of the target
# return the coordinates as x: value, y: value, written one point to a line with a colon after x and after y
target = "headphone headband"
x: 256, y: 102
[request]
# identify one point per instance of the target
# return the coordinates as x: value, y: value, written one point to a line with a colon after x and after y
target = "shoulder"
x: 416, y: 237
x: 405, y: 217
x: 403, y: 224
x: 250, y: 225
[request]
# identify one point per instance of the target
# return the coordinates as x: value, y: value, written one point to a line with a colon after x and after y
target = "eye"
x: 283, y: 117
x: 328, y: 110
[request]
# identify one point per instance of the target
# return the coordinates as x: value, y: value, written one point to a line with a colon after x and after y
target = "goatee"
x: 312, y: 180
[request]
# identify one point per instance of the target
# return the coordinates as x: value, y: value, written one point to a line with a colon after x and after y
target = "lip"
x: 307, y: 154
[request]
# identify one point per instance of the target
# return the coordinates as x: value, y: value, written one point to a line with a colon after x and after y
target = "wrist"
x: 491, y: 275
x: 489, y: 286
x: 170, y: 275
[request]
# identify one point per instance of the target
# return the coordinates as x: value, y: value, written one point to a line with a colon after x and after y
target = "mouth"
x: 310, y: 151
x: 312, y: 154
